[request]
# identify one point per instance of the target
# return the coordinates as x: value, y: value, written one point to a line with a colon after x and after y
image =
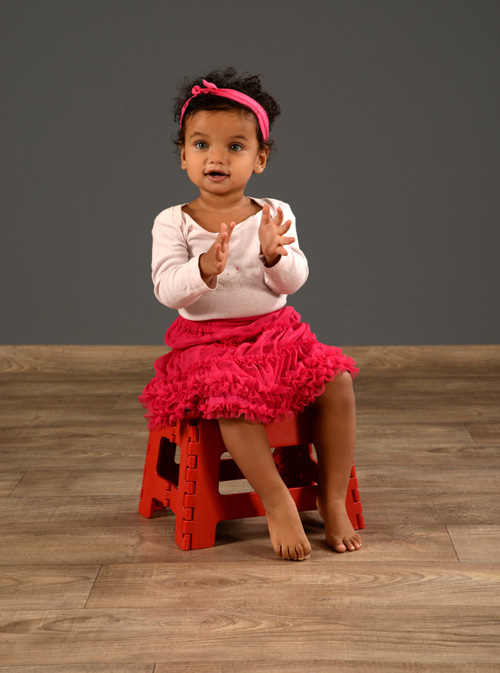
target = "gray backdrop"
x: 388, y: 152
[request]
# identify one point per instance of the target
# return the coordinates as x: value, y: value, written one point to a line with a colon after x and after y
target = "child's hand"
x: 272, y: 240
x: 213, y: 262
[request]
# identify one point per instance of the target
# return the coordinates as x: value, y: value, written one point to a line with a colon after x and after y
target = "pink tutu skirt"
x: 263, y: 368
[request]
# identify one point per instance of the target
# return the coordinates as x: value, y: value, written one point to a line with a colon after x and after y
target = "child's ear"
x: 261, y: 160
x: 183, y: 158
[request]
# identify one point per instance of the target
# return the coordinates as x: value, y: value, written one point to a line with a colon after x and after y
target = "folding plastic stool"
x: 190, y: 487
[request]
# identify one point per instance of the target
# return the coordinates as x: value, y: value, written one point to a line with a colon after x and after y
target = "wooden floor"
x: 89, y: 586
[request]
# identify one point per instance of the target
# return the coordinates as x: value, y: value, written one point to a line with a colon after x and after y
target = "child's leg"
x: 248, y: 445
x: 334, y: 439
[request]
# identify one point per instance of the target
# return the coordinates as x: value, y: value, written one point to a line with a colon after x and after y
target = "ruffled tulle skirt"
x: 263, y: 368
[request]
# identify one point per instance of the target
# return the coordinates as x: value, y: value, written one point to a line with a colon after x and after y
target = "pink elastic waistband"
x: 222, y: 322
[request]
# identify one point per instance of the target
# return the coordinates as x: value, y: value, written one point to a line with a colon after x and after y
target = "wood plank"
x: 101, y: 437
x: 127, y: 401
x: 88, y: 482
x: 32, y: 514
x: 54, y: 418
x: 108, y: 446
x: 476, y: 544
x: 262, y: 666
x: 355, y: 584
x: 78, y: 483
x: 63, y: 404
x: 368, y: 454
x: 104, y: 447
x: 395, y: 410
x: 410, y: 360
x: 399, y: 507
x: 101, y: 667
x: 427, y: 361
x: 485, y: 433
x: 89, y: 546
x: 453, y: 479
x: 46, y: 587
x: 31, y: 383
x: 335, y: 665
x: 9, y: 480
x: 128, y: 360
x: 88, y: 530
x: 428, y: 386
x: 393, y: 543
x: 307, y: 631
x: 413, y: 434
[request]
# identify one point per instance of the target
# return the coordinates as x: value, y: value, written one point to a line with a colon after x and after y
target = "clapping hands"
x: 272, y: 242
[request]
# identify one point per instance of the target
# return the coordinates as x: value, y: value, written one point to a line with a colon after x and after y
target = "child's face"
x: 221, y: 151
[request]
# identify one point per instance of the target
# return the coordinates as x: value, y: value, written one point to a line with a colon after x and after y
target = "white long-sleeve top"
x: 245, y: 288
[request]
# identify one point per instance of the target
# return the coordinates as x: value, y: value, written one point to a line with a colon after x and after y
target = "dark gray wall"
x: 388, y: 152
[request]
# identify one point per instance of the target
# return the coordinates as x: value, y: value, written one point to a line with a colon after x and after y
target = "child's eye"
x: 200, y: 145
x: 235, y: 147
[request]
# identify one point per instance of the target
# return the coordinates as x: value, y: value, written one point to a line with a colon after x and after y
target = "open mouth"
x: 216, y: 176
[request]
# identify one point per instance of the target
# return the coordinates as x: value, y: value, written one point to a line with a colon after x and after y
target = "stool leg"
x: 201, y: 449
x: 353, y: 502
x: 155, y: 489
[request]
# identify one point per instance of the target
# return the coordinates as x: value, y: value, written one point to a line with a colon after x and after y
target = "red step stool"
x: 191, y: 488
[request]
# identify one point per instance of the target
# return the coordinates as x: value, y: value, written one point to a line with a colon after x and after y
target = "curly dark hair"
x: 224, y: 79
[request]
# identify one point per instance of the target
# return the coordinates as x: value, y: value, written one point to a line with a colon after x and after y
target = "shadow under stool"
x: 184, y: 467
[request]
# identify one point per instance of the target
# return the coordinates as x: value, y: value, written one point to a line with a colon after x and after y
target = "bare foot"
x: 286, y: 531
x: 339, y: 531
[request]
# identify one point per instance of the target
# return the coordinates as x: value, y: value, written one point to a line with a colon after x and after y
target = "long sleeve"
x: 176, y: 275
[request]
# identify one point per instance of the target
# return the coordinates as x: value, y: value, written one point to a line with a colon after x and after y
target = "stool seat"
x: 189, y: 485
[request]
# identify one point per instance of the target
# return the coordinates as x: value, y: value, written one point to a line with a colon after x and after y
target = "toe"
x: 349, y: 544
x: 338, y: 544
x: 301, y: 553
x: 354, y: 543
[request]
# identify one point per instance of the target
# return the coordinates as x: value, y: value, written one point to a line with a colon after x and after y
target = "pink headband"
x: 237, y: 96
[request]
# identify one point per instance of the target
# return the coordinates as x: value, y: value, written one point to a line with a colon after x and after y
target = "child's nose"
x: 216, y: 155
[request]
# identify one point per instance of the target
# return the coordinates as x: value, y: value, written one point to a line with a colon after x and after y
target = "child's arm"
x: 176, y: 278
x: 285, y: 265
x: 179, y: 279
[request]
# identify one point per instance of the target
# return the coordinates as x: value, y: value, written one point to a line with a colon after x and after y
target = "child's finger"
x: 219, y: 253
x: 278, y: 218
x: 286, y: 240
x: 285, y: 226
x: 222, y: 237
x: 230, y: 231
x: 266, y: 215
